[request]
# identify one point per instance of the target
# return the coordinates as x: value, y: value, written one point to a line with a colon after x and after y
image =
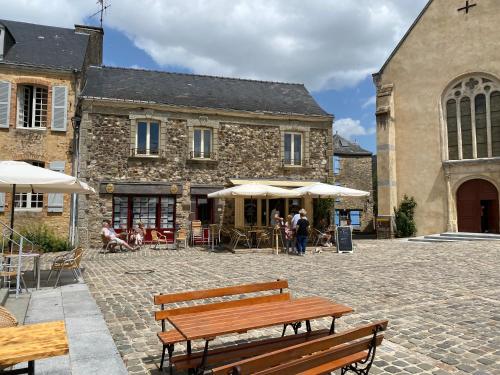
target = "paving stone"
x: 441, y: 299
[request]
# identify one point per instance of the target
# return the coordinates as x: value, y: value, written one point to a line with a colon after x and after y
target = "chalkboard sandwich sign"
x: 343, y: 237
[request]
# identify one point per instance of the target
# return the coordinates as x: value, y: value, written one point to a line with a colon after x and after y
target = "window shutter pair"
x: 56, y: 200
x: 59, y: 108
x: 4, y: 104
x: 2, y: 202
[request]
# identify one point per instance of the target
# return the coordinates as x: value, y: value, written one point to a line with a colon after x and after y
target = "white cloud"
x: 349, y: 128
x: 369, y: 102
x: 323, y: 43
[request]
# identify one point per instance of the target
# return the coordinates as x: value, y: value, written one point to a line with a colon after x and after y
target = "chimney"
x: 94, y: 49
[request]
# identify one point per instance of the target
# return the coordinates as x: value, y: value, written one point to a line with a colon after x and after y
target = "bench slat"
x: 220, y: 292
x: 164, y: 314
x: 240, y: 351
x: 291, y: 353
x: 327, y: 368
x: 317, y: 359
x: 171, y: 337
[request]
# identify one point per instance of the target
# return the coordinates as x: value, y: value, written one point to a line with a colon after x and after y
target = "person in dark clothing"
x: 302, y: 233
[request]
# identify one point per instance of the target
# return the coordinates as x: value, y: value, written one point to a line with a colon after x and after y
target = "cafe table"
x: 29, y: 343
x: 208, y: 325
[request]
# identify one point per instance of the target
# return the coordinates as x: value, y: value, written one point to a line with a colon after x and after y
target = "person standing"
x: 302, y: 233
x: 288, y: 234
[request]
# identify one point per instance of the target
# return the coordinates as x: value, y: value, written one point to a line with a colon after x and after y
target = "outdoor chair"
x: 7, y: 319
x: 70, y: 262
x: 239, y: 237
x: 264, y: 238
x: 158, y: 239
x: 320, y: 237
x: 182, y: 236
x: 108, y: 245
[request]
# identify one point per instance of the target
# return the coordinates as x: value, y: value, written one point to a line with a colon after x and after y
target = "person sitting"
x: 138, y: 234
x: 326, y: 236
x: 110, y: 235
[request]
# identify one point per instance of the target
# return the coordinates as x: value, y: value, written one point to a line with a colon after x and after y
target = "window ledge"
x: 202, y: 160
x: 28, y: 209
x: 295, y: 167
x: 32, y: 129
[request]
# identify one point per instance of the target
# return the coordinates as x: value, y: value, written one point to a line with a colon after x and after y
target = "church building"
x: 438, y: 120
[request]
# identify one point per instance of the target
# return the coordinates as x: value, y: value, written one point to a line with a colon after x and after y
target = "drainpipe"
x: 74, y: 197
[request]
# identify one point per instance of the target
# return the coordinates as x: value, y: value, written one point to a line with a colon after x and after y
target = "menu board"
x: 344, y: 239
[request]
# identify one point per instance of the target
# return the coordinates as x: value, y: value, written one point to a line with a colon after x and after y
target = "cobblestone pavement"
x: 442, y: 300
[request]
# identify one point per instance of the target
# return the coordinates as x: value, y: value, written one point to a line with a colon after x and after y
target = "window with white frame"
x: 293, y: 149
x: 336, y: 165
x: 472, y: 114
x: 28, y: 201
x: 147, y: 138
x: 202, y: 143
x: 31, y: 106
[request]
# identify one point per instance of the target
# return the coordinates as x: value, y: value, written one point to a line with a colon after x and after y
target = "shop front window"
x: 202, y: 209
x: 250, y: 212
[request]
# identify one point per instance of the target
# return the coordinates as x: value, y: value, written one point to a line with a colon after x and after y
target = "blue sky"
x: 332, y: 46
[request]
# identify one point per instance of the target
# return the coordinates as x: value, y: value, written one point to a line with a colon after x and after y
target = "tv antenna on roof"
x: 101, y: 11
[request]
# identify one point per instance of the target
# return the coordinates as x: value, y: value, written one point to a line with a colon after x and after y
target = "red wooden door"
x: 476, y: 198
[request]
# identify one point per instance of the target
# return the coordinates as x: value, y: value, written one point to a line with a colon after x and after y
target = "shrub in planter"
x: 405, y: 223
x: 46, y: 239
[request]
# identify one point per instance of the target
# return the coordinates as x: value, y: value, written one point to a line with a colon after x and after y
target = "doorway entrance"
x: 477, y: 207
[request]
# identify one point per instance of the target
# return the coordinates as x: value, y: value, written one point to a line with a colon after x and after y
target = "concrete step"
x: 429, y: 239
x: 483, y: 236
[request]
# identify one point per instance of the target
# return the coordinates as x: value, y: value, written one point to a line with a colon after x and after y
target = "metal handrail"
x: 8, y: 232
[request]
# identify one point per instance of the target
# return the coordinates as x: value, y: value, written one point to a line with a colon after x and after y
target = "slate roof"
x: 342, y: 146
x: 190, y: 90
x: 45, y: 46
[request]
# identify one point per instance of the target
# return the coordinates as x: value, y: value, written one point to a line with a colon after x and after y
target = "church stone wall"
x: 444, y: 44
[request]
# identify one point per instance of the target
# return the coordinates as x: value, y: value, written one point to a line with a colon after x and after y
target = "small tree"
x: 404, y: 215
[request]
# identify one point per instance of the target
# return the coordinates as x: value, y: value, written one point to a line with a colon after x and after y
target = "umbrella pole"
x: 12, y: 216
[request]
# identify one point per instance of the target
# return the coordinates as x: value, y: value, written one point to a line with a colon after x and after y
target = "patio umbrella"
x: 253, y: 191
x: 21, y: 177
x: 321, y: 190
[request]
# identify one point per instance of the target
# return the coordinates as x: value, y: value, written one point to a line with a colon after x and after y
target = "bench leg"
x: 332, y: 327
x: 162, y: 357
x: 308, y: 326
x: 367, y: 362
x: 201, y: 369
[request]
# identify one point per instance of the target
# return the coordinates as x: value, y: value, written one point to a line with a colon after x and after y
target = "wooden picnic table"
x: 208, y: 325
x: 31, y: 342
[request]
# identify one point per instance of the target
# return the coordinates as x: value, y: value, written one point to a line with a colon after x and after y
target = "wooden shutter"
x: 56, y: 201
x: 4, y: 104
x: 2, y: 202
x: 59, y: 108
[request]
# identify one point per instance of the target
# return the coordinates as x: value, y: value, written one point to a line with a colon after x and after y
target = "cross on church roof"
x: 467, y: 7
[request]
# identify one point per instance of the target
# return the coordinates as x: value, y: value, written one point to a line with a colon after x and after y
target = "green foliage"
x: 405, y: 223
x: 46, y: 239
x: 323, y: 208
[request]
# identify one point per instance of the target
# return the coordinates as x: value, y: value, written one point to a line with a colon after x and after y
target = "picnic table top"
x: 32, y: 342
x: 210, y: 324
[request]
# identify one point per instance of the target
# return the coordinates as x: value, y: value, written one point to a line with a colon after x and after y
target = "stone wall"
x: 247, y: 148
x: 38, y: 145
x: 356, y: 173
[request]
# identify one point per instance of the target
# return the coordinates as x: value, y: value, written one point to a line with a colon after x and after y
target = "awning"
x: 205, y: 189
x: 279, y: 183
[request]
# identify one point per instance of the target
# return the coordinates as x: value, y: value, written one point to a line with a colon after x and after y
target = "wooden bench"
x: 351, y: 350
x: 169, y: 338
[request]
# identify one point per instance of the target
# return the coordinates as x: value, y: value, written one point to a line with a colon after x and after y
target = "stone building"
x: 352, y: 167
x: 154, y: 144
x: 438, y: 120
x: 41, y: 70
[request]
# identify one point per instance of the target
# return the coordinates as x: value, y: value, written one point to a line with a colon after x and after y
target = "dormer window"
x: 31, y: 106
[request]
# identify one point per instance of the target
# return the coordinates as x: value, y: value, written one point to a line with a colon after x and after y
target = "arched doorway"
x: 477, y: 207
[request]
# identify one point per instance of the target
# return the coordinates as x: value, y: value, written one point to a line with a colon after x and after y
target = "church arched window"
x: 473, y: 118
